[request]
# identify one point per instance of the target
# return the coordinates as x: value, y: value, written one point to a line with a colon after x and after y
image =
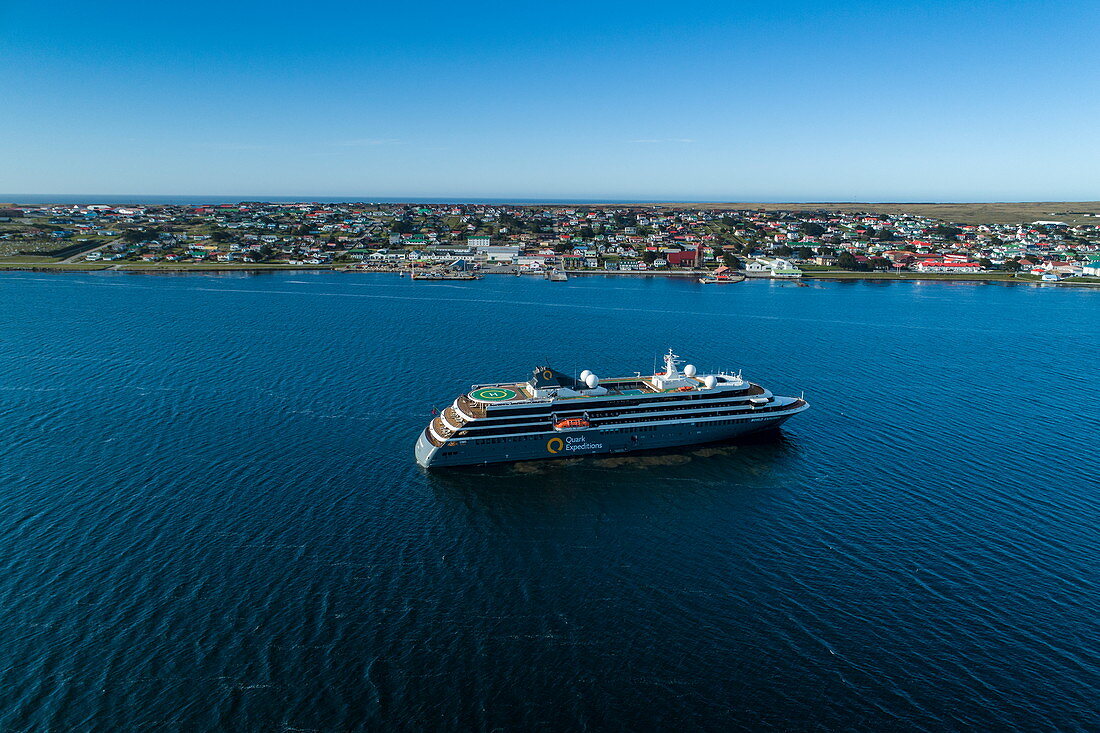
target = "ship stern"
x: 425, y: 451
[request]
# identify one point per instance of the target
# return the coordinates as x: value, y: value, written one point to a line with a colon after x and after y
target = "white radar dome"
x: 584, y: 375
x: 592, y: 380
x: 710, y: 381
x: 689, y: 370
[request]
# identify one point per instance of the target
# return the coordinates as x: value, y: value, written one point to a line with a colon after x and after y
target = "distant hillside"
x: 1071, y: 212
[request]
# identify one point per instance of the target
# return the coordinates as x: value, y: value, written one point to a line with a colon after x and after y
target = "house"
x: 941, y: 266
x: 507, y: 255
x: 772, y: 267
x: 785, y: 268
x: 686, y: 258
x: 531, y: 263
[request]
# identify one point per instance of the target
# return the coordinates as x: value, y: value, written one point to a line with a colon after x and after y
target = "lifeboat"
x: 573, y: 423
x: 685, y: 388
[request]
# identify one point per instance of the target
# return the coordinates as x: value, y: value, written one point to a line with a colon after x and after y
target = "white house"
x: 771, y: 267
x: 939, y: 266
x: 533, y: 263
x: 500, y: 254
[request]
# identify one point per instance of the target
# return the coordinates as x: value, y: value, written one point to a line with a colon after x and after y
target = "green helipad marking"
x: 493, y: 394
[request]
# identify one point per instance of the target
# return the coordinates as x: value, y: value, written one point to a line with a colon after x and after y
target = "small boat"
x: 722, y: 275
x: 573, y: 423
x: 440, y: 275
x: 556, y: 276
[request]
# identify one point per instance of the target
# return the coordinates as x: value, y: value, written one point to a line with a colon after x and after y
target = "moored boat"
x: 439, y: 275
x: 722, y: 275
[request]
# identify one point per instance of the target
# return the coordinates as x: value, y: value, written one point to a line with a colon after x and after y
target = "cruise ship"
x: 553, y: 415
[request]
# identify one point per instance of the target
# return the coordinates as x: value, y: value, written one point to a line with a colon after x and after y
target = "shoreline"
x: 135, y: 268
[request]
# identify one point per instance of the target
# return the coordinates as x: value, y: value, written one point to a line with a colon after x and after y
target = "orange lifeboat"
x: 572, y: 423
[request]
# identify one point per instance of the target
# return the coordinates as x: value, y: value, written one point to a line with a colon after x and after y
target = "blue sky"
x: 729, y: 101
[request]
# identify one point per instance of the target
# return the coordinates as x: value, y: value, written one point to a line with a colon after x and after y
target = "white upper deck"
x: 544, y: 387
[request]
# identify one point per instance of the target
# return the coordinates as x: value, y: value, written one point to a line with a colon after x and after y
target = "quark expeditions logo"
x: 571, y: 443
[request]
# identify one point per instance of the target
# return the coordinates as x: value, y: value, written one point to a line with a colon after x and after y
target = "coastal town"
x: 607, y: 239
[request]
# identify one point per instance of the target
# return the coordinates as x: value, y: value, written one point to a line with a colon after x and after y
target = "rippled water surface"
x: 210, y: 515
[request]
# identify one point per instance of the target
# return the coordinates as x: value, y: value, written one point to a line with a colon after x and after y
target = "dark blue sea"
x: 210, y: 516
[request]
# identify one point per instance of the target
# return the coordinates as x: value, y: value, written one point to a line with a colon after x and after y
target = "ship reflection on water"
x: 746, y: 460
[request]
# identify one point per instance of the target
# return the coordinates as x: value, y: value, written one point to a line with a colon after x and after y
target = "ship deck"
x: 506, y: 392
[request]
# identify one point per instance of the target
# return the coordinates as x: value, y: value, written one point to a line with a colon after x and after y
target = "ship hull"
x: 593, y: 441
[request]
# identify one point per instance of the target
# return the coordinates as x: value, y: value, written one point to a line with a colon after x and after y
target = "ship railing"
x: 431, y: 437
x: 470, y: 407
x: 440, y: 427
x: 454, y: 416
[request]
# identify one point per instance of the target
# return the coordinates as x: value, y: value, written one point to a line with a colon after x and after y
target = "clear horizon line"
x: 302, y: 198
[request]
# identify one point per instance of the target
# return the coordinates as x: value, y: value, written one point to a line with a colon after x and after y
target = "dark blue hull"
x: 591, y: 441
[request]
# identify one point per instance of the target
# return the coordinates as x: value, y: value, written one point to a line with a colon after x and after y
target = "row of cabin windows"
x: 680, y: 404
x: 512, y: 439
x: 643, y: 429
x: 607, y: 413
x: 648, y: 429
x: 505, y: 439
x: 491, y: 430
x: 517, y: 411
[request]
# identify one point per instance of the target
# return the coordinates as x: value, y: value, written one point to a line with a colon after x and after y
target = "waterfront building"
x: 943, y: 266
x: 772, y: 267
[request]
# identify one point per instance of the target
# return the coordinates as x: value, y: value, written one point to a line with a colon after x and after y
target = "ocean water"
x: 210, y: 516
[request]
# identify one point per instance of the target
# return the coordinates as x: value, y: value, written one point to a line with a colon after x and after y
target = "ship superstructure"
x: 553, y: 415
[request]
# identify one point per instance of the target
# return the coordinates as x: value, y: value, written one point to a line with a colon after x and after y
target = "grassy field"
x: 8, y: 264
x: 1070, y: 212
x: 27, y: 259
x: 960, y: 277
x: 847, y: 275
